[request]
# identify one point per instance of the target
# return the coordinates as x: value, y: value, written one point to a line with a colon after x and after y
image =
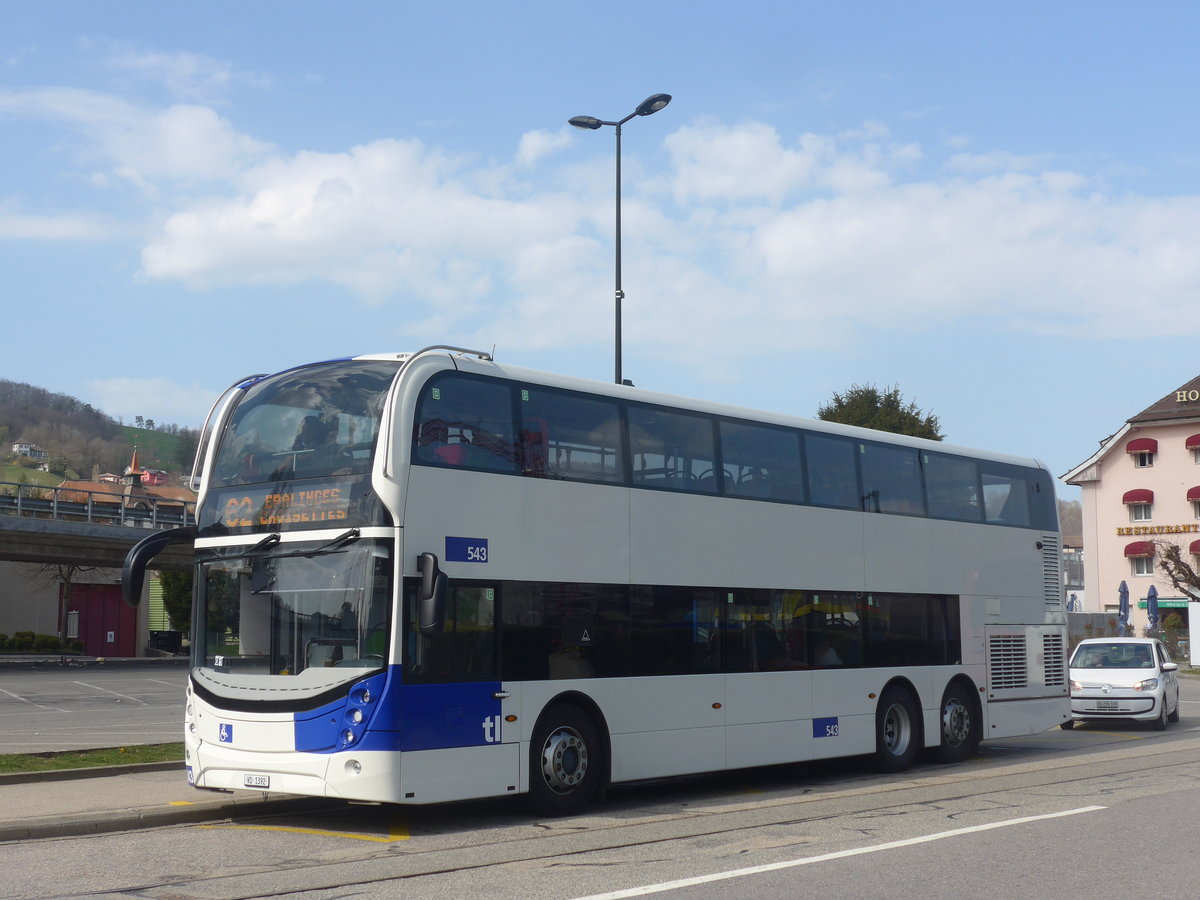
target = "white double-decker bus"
x: 428, y: 577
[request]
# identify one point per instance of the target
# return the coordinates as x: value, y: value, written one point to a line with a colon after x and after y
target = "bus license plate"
x: 256, y: 781
x: 1106, y: 704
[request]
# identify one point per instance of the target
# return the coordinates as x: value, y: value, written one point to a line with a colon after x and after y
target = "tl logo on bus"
x: 491, y: 730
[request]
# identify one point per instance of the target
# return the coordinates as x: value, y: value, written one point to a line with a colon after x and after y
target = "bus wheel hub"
x: 564, y: 759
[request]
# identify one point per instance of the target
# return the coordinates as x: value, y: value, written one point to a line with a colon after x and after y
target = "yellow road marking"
x: 397, y: 832
x: 180, y: 803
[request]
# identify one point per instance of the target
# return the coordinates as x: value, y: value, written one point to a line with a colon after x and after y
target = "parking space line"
x: 97, y: 687
x: 30, y: 702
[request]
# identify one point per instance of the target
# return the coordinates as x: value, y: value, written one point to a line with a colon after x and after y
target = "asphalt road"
x: 1094, y: 813
x: 75, y: 707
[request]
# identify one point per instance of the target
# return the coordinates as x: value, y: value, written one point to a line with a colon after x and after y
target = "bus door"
x: 453, y: 695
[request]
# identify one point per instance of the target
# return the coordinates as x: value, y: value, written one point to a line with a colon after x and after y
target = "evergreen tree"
x: 868, y: 407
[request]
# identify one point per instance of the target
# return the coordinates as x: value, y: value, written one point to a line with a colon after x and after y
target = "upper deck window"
x: 891, y: 480
x: 467, y: 422
x: 762, y: 462
x: 570, y: 436
x: 672, y: 450
x: 832, y: 471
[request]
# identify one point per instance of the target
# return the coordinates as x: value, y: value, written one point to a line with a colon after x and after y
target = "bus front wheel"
x: 564, y: 761
x: 896, y: 730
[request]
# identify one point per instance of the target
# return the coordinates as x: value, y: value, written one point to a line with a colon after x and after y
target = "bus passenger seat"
x: 452, y: 454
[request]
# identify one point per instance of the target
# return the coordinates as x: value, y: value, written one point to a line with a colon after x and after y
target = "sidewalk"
x: 91, y: 801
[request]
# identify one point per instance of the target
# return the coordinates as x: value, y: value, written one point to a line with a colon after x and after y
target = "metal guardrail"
x: 100, y: 507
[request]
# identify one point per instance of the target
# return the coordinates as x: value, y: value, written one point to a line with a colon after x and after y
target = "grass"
x: 11, y: 763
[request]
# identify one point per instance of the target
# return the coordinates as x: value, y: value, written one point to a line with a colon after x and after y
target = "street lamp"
x: 647, y: 107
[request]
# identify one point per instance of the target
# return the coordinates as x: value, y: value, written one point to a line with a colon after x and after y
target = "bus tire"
x: 897, y: 730
x: 565, y: 761
x: 959, y: 728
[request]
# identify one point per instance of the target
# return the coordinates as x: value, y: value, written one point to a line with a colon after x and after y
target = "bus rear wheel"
x: 896, y: 730
x: 960, y: 736
x: 565, y: 761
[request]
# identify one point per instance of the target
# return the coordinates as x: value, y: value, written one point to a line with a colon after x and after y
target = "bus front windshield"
x: 296, y: 609
x: 308, y: 423
x: 297, y: 452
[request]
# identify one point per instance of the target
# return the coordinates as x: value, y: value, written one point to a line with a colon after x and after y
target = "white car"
x: 1123, y: 678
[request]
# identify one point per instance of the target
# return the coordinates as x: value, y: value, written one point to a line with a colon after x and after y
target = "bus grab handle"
x: 431, y: 605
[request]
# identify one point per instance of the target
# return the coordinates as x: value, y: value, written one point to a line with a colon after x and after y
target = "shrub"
x: 22, y: 640
x: 75, y: 647
x: 3, y: 641
x: 46, y: 642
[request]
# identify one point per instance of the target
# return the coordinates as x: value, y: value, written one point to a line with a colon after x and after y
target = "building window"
x: 1196, y: 455
x: 1196, y: 509
x: 1139, y: 512
x: 1143, y: 565
x: 1143, y: 460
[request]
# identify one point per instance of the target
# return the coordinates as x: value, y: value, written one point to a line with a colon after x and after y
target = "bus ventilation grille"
x: 1056, y: 660
x: 1008, y: 666
x: 1052, y: 571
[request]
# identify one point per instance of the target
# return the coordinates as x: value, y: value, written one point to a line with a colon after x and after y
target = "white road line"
x: 30, y: 702
x: 841, y: 854
x: 114, y: 693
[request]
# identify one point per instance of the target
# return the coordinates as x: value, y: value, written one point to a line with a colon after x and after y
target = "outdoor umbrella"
x: 1152, y: 606
x: 1123, y: 609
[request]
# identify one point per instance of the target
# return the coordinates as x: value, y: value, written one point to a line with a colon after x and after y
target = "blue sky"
x: 993, y: 206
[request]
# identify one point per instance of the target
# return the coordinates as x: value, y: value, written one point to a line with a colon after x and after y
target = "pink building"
x: 1141, y: 486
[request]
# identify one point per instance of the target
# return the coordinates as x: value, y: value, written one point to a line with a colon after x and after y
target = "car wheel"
x: 1160, y: 724
x: 1067, y: 725
x: 1173, y: 715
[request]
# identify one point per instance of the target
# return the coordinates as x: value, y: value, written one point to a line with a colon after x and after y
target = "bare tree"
x: 1180, y: 573
x: 55, y: 574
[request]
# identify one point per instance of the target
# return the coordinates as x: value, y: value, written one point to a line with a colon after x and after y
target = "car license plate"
x: 1106, y: 704
x: 256, y: 781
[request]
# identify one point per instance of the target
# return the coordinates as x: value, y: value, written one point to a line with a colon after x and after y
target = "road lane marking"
x: 397, y: 831
x: 30, y: 702
x: 97, y: 687
x: 825, y: 857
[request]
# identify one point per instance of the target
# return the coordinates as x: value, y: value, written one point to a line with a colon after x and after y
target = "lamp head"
x: 652, y: 104
x: 589, y: 122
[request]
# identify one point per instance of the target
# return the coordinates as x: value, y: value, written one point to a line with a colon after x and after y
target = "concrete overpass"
x: 36, y: 540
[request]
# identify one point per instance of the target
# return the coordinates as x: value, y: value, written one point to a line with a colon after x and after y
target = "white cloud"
x: 535, y: 145
x: 178, y: 143
x: 188, y: 76
x: 160, y: 399
x: 66, y: 227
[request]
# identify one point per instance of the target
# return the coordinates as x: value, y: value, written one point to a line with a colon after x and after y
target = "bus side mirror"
x: 431, y: 602
x: 133, y: 572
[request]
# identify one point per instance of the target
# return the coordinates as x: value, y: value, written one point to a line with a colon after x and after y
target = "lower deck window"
x: 533, y: 631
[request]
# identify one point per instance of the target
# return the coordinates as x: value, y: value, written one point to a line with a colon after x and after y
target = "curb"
x: 88, y: 772
x: 136, y: 818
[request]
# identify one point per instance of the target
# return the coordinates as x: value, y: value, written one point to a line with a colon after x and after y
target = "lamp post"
x: 647, y: 107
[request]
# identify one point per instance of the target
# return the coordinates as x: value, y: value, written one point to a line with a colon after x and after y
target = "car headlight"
x: 1149, y: 684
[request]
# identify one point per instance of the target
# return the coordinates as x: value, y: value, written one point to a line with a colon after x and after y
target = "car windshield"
x: 1113, y: 656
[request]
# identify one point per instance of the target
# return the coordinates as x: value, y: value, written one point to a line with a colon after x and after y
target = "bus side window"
x: 465, y: 421
x: 952, y: 488
x: 891, y: 480
x: 1005, y: 498
x: 832, y: 474
x: 761, y: 462
x: 570, y: 436
x: 673, y: 450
